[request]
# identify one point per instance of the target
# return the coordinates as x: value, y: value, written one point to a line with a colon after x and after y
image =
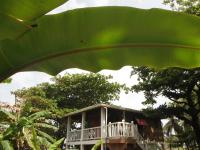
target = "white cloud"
x: 20, y: 80
x: 145, y: 4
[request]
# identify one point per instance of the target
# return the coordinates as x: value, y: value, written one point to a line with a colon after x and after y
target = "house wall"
x: 151, y: 128
x: 93, y: 118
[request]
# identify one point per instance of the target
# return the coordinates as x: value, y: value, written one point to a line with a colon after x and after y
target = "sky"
x: 131, y: 100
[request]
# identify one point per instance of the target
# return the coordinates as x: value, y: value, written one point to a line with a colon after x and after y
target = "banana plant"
x: 26, y: 131
x: 92, y: 38
x: 56, y: 144
x: 97, y: 145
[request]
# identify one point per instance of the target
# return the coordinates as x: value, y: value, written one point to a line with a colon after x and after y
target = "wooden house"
x: 118, y: 128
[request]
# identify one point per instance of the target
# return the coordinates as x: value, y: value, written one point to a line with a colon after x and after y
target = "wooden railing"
x: 88, y: 134
x: 119, y: 129
x: 74, y: 135
x: 92, y: 133
x: 125, y: 129
x: 114, y: 130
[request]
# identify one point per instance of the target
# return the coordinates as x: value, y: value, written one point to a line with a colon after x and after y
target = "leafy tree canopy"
x: 180, y: 86
x: 67, y: 93
x: 75, y: 91
x: 188, y: 6
x: 8, y: 80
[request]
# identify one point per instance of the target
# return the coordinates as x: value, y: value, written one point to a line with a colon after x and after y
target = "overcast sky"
x: 28, y: 79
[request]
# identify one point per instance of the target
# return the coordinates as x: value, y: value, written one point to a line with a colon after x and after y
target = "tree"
x: 173, y: 133
x: 180, y: 86
x: 68, y: 93
x: 75, y: 91
x: 24, y: 132
x: 188, y: 6
x: 8, y: 80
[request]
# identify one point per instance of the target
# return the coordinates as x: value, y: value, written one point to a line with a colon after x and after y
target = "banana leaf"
x: 6, y: 145
x: 28, y: 10
x: 17, y: 17
x: 104, y: 38
x: 56, y: 144
x: 6, y: 116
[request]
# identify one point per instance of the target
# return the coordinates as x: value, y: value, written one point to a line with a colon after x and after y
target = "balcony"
x: 88, y: 134
x: 117, y: 130
x: 113, y: 130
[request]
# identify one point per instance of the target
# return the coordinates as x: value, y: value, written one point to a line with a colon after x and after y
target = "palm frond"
x: 45, y: 135
x: 97, y: 145
x: 28, y: 136
x: 56, y: 144
x: 39, y: 115
x: 6, y: 145
x: 6, y: 116
x: 43, y: 142
x: 34, y: 139
x: 10, y: 131
x: 45, y: 125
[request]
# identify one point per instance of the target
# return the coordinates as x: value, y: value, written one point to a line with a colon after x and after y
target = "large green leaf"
x: 56, y: 144
x: 46, y: 136
x: 28, y: 10
x: 104, y: 38
x: 39, y: 115
x: 6, y: 116
x: 97, y: 145
x: 5, y: 145
x: 31, y: 138
x: 17, y: 17
x: 11, y: 27
x: 45, y: 125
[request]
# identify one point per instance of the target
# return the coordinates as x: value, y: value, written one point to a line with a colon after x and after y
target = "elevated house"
x: 118, y: 128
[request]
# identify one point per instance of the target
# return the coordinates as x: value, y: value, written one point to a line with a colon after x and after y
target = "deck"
x: 118, y: 132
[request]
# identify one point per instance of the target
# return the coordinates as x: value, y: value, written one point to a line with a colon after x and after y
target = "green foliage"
x: 27, y: 131
x: 72, y: 91
x: 19, y: 17
x: 34, y: 100
x: 8, y: 80
x: 66, y: 94
x: 178, y: 133
x: 180, y: 86
x: 30, y: 10
x: 55, y: 145
x: 5, y: 145
x: 97, y: 145
x: 98, y: 42
x: 188, y: 6
x: 6, y: 116
x: 172, y: 126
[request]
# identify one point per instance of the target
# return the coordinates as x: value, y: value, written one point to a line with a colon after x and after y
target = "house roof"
x: 103, y: 105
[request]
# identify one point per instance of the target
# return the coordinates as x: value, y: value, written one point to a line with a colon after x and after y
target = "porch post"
x: 103, y: 125
x: 82, y: 129
x: 68, y: 129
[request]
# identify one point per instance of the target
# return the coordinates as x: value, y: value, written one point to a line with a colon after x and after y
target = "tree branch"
x: 178, y: 102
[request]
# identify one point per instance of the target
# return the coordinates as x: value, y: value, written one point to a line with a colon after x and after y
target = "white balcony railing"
x: 114, y: 130
x: 74, y: 135
x: 88, y: 134
x: 125, y: 129
x: 117, y: 129
x: 92, y: 133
